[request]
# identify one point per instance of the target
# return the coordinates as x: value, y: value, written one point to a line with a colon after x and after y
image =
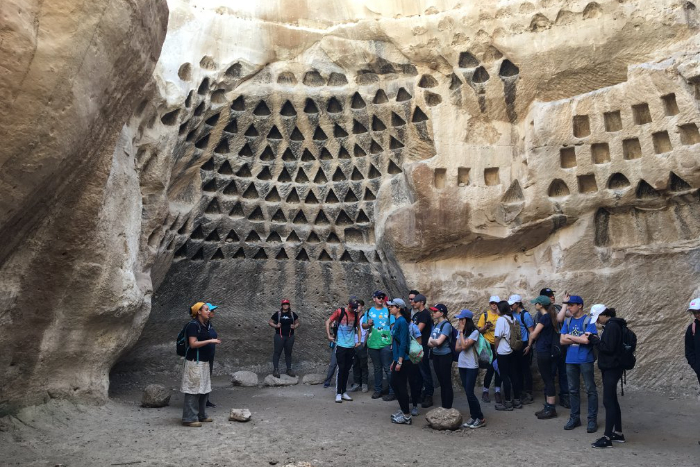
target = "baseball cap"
x: 515, y: 298
x: 439, y: 307
x: 542, y: 300
x: 574, y: 299
x: 285, y: 302
x: 420, y: 298
x: 695, y: 304
x: 494, y: 298
x: 547, y: 292
x: 397, y: 301
x: 211, y: 307
x: 465, y: 314
x: 378, y: 294
x: 596, y: 310
x: 353, y: 303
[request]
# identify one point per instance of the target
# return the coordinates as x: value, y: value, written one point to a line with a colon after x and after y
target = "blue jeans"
x: 468, y: 376
x: 573, y: 375
x: 381, y: 360
x: 426, y: 375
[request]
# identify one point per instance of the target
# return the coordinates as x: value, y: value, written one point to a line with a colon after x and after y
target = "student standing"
x: 692, y: 338
x: 422, y: 318
x: 284, y: 322
x: 542, y: 337
x: 559, y: 367
x: 609, y: 352
x: 579, y: 362
x: 468, y: 365
x: 401, y: 364
x: 378, y: 322
x: 523, y: 356
x: 212, y: 347
x: 506, y: 359
x: 346, y: 339
x: 486, y: 326
x: 360, y: 369
x: 439, y: 344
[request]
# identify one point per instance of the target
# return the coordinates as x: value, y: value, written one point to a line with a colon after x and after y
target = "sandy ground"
x: 303, y: 424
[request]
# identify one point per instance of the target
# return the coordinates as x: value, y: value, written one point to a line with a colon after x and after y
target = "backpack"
x: 484, y: 354
x: 415, y: 351
x: 515, y: 339
x: 335, y: 324
x: 452, y: 339
x: 629, y: 346
x: 181, y: 344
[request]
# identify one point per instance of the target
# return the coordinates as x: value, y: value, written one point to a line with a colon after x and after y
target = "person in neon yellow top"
x: 486, y: 326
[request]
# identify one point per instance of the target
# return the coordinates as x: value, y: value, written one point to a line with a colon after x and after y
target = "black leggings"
x: 414, y: 382
x: 544, y: 364
x: 506, y: 365
x: 613, y: 414
x: 283, y: 343
x: 399, y: 380
x: 490, y: 372
x: 345, y: 357
x: 443, y: 369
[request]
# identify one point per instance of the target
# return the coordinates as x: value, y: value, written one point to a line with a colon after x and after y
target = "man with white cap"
x: 692, y: 338
x: 523, y: 356
x: 486, y: 326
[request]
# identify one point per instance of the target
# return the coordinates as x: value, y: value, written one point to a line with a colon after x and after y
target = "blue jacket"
x: 401, y: 339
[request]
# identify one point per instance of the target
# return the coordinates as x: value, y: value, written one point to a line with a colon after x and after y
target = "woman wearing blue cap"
x: 468, y: 365
x: 439, y: 344
x: 212, y: 347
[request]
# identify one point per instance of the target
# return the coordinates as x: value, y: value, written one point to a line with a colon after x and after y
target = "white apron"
x: 196, y: 378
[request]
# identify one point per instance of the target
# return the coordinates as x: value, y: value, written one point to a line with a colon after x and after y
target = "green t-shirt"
x: 380, y: 333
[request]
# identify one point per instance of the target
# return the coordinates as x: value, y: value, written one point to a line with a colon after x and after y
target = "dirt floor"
x: 302, y: 425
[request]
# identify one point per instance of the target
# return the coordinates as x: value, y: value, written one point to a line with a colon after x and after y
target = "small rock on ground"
x: 240, y: 415
x: 283, y: 380
x: 314, y: 378
x: 154, y: 396
x: 244, y: 378
x: 444, y: 419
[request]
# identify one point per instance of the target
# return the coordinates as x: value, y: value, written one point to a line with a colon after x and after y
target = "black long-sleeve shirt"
x: 610, y: 345
x: 692, y: 346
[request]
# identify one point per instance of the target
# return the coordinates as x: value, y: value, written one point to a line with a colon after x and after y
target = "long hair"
x: 552, y: 312
x: 405, y: 313
x: 469, y: 327
x: 504, y: 309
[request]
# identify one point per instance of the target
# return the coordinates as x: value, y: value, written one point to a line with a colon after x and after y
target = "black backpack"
x: 181, y: 344
x: 628, y: 348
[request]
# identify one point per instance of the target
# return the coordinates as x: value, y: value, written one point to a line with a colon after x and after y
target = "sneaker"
x: 592, y: 426
x: 206, y: 420
x: 468, y: 423
x: 549, y: 412
x: 526, y: 398
x: 617, y: 438
x: 497, y: 397
x: 365, y: 388
x: 389, y: 397
x: 571, y: 424
x: 376, y: 395
x: 414, y: 413
x: 507, y: 406
x: 345, y: 397
x: 478, y: 423
x: 210, y: 404
x: 603, y: 442
x: 517, y: 404
x: 276, y: 373
x: 402, y: 420
x: 427, y: 402
x: 485, y: 397
x: 564, y: 401
x: 354, y: 388
x: 396, y: 414
x: 291, y: 373
x: 338, y: 398
x: 192, y: 424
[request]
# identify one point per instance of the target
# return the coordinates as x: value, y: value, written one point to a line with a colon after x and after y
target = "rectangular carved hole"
x: 600, y: 153
x: 631, y: 149
x: 582, y: 126
x: 440, y: 176
x: 662, y: 143
x: 491, y: 176
x: 641, y: 114
x: 463, y: 176
x: 587, y: 184
x: 689, y: 134
x: 567, y: 157
x: 613, y: 121
x: 670, y: 105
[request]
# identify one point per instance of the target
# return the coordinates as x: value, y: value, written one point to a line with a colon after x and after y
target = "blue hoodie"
x: 401, y: 339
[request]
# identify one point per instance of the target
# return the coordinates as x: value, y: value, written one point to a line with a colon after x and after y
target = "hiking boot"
x: 276, y: 373
x: 592, y: 426
x: 192, y: 424
x: 365, y: 388
x: 617, y: 438
x: 517, y: 404
x: 206, y: 420
x: 210, y: 404
x: 485, y: 397
x: 571, y: 424
x: 345, y: 397
x: 549, y: 412
x: 478, y: 423
x: 354, y: 388
x: 540, y: 412
x: 291, y: 373
x: 338, y: 398
x: 389, y: 398
x: 497, y: 398
x: 506, y: 406
x: 564, y: 401
x: 414, y: 413
x: 376, y: 395
x: 526, y: 398
x: 402, y: 420
x: 603, y: 442
x: 427, y: 402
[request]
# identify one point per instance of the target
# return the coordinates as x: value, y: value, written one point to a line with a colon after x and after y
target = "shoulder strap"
x: 693, y: 328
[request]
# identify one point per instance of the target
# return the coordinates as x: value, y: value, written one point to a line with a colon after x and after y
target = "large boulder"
x: 283, y: 380
x: 244, y: 378
x: 155, y: 396
x: 444, y: 419
x: 240, y: 415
